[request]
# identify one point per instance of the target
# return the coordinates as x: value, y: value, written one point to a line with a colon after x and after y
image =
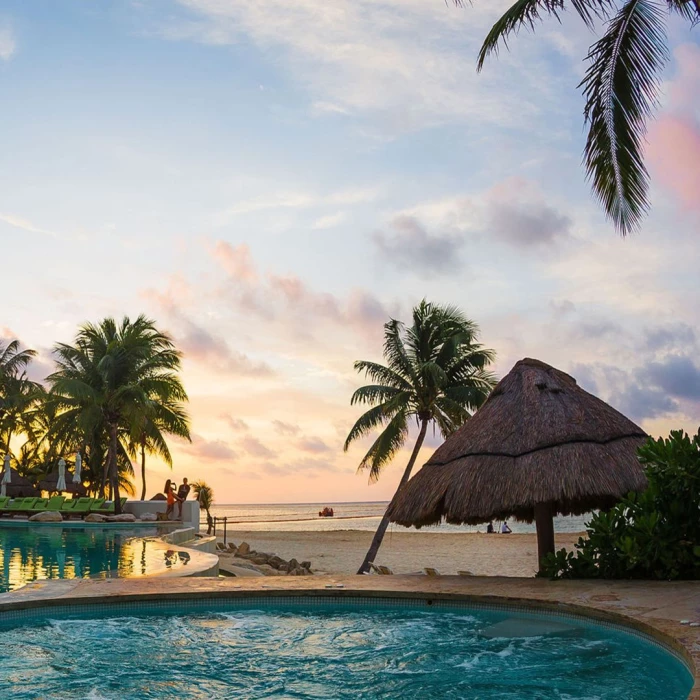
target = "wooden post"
x: 544, y: 521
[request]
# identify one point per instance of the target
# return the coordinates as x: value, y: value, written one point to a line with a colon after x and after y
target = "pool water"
x: 29, y: 553
x: 331, y: 650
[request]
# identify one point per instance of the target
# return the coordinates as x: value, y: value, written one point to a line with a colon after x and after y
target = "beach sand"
x: 341, y: 552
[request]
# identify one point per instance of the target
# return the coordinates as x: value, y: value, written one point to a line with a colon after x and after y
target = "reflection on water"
x: 33, y: 553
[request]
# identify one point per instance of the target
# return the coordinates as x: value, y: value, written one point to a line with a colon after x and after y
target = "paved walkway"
x: 656, y: 608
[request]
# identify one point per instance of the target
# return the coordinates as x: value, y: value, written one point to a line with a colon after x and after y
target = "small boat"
x: 326, y: 513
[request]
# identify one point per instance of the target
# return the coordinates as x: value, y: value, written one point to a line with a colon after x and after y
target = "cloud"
x: 402, y: 59
x: 642, y: 402
x: 286, y: 298
x: 312, y: 444
x: 670, y: 337
x: 411, y: 247
x: 517, y: 215
x: 286, y: 429
x: 255, y: 448
x: 196, y: 342
x: 236, y: 424
x: 677, y: 375
x: 23, y: 224
x: 8, y: 43
x: 209, y: 450
x: 674, y: 138
x: 329, y: 221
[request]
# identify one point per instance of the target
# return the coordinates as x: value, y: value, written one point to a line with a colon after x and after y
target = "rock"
x: 293, y: 564
x: 306, y: 565
x: 260, y: 559
x: 268, y: 570
x: 284, y: 568
x: 276, y: 561
x: 307, y: 571
x: 49, y: 516
x: 159, y: 497
x: 122, y: 518
x: 95, y: 518
x: 148, y: 517
x: 243, y: 548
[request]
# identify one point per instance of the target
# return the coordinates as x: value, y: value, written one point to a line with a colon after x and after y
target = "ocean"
x: 364, y: 516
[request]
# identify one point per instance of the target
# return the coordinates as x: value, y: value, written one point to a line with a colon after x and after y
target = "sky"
x: 272, y: 181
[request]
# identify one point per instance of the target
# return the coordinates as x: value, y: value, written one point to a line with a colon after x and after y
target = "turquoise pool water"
x: 29, y: 552
x: 330, y: 649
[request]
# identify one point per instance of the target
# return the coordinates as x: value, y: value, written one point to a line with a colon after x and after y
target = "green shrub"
x: 650, y: 535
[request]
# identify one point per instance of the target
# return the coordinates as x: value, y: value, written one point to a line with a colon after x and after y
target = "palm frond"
x: 382, y: 451
x: 621, y: 87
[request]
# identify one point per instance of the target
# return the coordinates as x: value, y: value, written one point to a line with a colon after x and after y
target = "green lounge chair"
x: 22, y: 505
x: 96, y: 505
x: 68, y: 506
x: 39, y: 506
x: 82, y: 507
x: 54, y: 503
x: 109, y: 510
x: 4, y: 500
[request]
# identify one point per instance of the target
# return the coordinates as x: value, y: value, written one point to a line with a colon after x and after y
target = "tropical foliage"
x: 652, y: 535
x: 205, y: 496
x: 620, y: 87
x: 115, y: 391
x: 436, y: 373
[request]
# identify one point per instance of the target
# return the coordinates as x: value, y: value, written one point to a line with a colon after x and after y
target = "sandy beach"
x: 341, y: 552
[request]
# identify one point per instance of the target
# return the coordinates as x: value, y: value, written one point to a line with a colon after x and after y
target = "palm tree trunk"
x: 210, y: 523
x: 384, y: 524
x: 113, y: 445
x: 143, y: 470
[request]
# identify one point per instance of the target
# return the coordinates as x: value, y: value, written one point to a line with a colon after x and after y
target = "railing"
x: 220, y: 520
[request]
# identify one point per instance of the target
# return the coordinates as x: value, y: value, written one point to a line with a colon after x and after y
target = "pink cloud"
x: 254, y: 447
x: 674, y: 140
x: 237, y: 261
x: 209, y: 450
x: 313, y: 444
x: 674, y: 151
x: 287, y: 429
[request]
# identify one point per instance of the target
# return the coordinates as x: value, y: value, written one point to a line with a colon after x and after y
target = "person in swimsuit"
x: 170, y: 497
x: 182, y: 494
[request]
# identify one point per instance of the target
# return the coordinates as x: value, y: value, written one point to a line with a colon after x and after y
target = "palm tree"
x: 161, y: 416
x: 620, y: 88
x: 17, y: 393
x: 436, y: 373
x: 205, y: 496
x: 109, y: 379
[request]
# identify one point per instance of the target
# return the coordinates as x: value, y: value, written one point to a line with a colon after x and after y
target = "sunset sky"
x: 271, y: 181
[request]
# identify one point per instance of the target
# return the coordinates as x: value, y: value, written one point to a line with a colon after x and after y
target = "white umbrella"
x: 6, y: 476
x: 78, y: 465
x: 61, y: 483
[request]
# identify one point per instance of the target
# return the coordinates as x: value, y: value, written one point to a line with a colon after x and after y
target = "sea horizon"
x: 362, y: 516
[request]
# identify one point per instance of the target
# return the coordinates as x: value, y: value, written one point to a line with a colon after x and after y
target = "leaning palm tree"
x: 108, y: 378
x: 205, y: 496
x: 436, y: 373
x: 620, y: 88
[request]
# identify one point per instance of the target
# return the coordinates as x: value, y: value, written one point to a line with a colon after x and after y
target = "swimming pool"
x: 328, y: 648
x: 29, y: 553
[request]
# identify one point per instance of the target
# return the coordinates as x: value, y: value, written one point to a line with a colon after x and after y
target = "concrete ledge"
x: 653, y: 608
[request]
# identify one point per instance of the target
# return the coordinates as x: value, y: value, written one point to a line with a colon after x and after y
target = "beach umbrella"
x: 6, y: 476
x: 77, y: 479
x: 539, y: 446
x: 61, y: 483
x: 50, y: 483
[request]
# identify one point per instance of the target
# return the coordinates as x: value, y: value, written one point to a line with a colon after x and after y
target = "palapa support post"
x: 544, y: 521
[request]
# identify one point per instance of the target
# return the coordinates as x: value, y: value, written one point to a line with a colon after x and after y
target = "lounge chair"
x: 82, y: 507
x: 43, y: 504
x: 4, y: 500
x: 108, y: 509
x: 68, y: 506
x: 97, y: 504
x: 22, y: 505
x: 381, y: 570
x: 39, y: 506
x: 221, y: 547
x: 429, y: 571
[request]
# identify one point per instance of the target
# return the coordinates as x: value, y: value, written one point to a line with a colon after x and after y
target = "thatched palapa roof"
x: 538, y: 439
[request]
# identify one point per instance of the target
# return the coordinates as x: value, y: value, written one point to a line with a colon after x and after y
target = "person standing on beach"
x: 182, y: 494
